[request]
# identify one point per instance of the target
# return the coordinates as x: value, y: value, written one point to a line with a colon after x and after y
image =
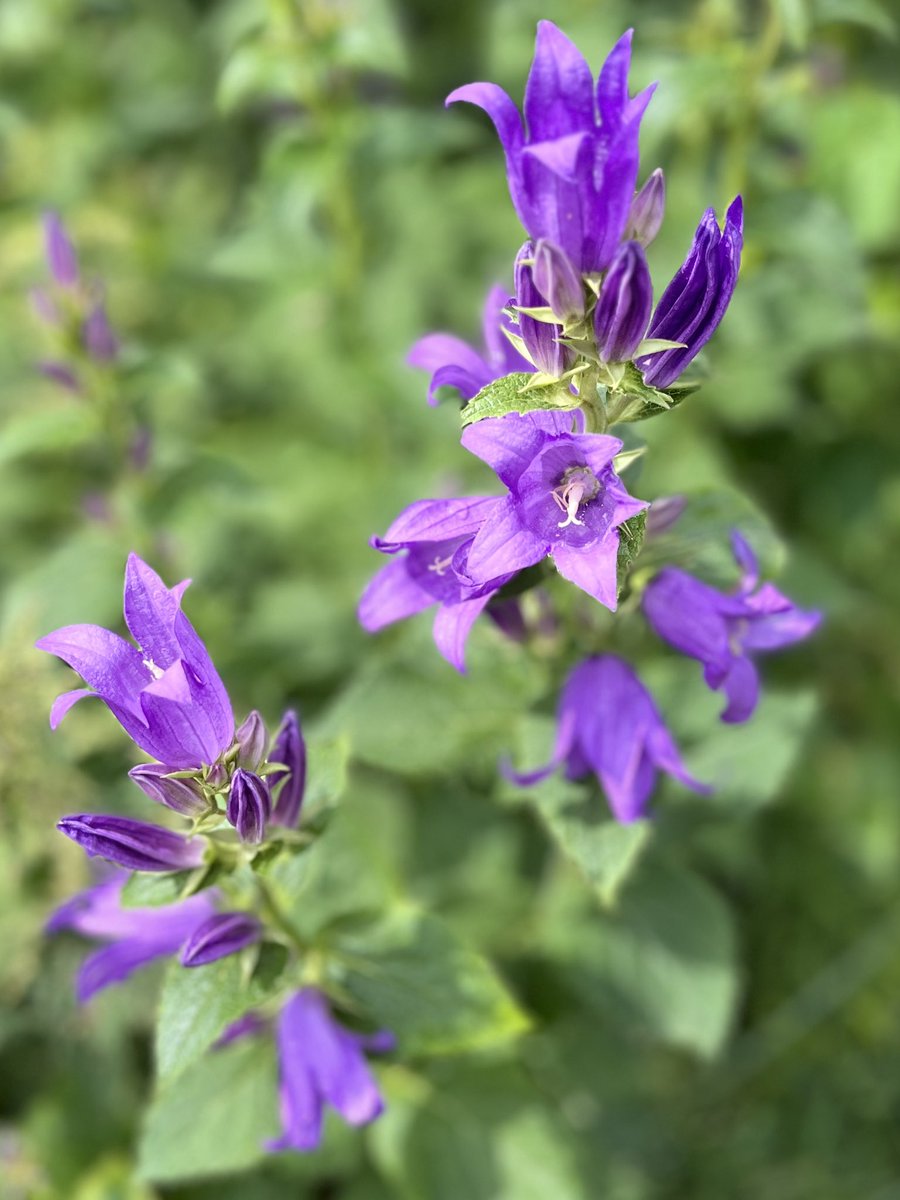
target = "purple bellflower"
x: 289, y: 749
x: 220, y: 935
x: 724, y: 630
x: 135, y: 936
x: 454, y: 363
x: 572, y: 168
x: 132, y: 844
x: 609, y: 726
x: 694, y: 303
x: 322, y: 1063
x: 564, y: 500
x: 166, y: 695
x: 436, y: 536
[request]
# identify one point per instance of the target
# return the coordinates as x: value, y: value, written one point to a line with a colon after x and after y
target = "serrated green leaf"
x: 506, y: 395
x: 198, y: 1003
x: 631, y: 538
x: 410, y: 973
x: 215, y: 1118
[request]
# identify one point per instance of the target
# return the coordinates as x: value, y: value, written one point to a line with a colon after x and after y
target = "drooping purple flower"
x: 565, y: 499
x: 572, y: 168
x: 541, y: 338
x: 219, y: 936
x: 181, y: 795
x: 724, y: 630
x: 167, y: 694
x: 249, y: 806
x: 436, y: 536
x: 136, y: 845
x: 60, y: 253
x: 135, y: 936
x: 647, y: 209
x: 290, y: 749
x: 454, y: 363
x: 321, y: 1062
x: 251, y: 737
x: 694, y: 303
x: 609, y: 726
x: 623, y: 309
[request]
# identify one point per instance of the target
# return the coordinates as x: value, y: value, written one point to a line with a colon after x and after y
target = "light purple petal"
x: 612, y: 82
x: 563, y: 156
x: 592, y: 569
x: 337, y: 1063
x: 452, y: 363
x: 106, y: 662
x: 439, y: 520
x: 562, y: 749
x: 509, y: 444
x: 391, y: 596
x: 741, y: 687
x: 67, y: 700
x: 452, y: 625
x: 503, y: 545
x: 150, y: 612
x: 181, y: 733
x: 558, y: 94
x: 301, y: 1101
x: 505, y: 116
x: 776, y: 630
x: 687, y: 614
x: 113, y: 963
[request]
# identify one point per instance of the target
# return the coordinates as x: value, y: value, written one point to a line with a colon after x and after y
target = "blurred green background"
x: 278, y: 205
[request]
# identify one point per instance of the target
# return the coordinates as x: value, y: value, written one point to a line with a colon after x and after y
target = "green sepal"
x: 635, y: 400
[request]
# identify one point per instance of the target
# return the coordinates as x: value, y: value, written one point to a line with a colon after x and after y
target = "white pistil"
x: 440, y: 565
x: 568, y: 498
x: 155, y: 671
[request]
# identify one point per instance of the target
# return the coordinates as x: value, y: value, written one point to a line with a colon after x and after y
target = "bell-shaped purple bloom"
x: 572, y: 168
x: 541, y: 338
x: 219, y: 936
x: 132, y: 844
x: 321, y: 1062
x: 724, y: 630
x: 181, y: 795
x: 167, y: 694
x: 454, y: 363
x: 436, y: 536
x: 60, y: 253
x: 289, y: 749
x: 623, y: 309
x: 565, y: 499
x: 694, y: 303
x: 647, y: 209
x: 135, y: 936
x: 556, y: 278
x: 249, y: 806
x: 609, y: 726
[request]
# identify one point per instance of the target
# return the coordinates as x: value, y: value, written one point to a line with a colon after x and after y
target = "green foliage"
x: 515, y: 394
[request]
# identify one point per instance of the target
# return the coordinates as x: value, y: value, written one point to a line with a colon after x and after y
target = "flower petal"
x: 558, y: 94
x: 438, y: 521
x: 503, y: 545
x: 593, y: 569
x: 452, y: 625
x: 392, y: 595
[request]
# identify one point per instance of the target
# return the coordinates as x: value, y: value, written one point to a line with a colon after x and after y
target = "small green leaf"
x: 215, y: 1118
x: 516, y: 394
x: 150, y: 889
x: 199, y: 1003
x: 410, y: 973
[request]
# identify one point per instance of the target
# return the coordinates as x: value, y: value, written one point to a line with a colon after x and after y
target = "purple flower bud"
x: 251, y: 737
x: 289, y: 749
x: 541, y: 339
x: 249, y: 806
x: 623, y: 310
x: 132, y: 844
x: 61, y: 257
x: 647, y: 209
x: 43, y: 306
x: 99, y: 340
x: 181, y: 795
x: 223, y: 934
x: 556, y: 278
x: 60, y: 374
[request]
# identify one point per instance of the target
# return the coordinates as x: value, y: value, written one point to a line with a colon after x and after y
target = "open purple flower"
x: 454, y: 363
x: 572, y: 168
x: 322, y: 1063
x: 565, y: 499
x: 166, y: 694
x: 135, y: 936
x: 434, y: 537
x: 724, y: 630
x: 609, y: 726
x: 694, y: 303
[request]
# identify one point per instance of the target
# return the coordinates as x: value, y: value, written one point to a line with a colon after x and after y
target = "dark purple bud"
x: 223, y: 934
x: 61, y: 257
x: 541, y: 339
x: 289, y: 749
x: 132, y: 844
x: 623, y: 310
x: 251, y: 738
x: 556, y: 278
x: 99, y: 340
x: 181, y: 795
x: 647, y: 209
x: 60, y: 374
x: 249, y: 806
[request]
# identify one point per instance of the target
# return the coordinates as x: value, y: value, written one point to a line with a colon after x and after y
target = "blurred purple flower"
x: 59, y: 251
x: 609, y: 726
x: 564, y: 500
x: 166, y: 695
x: 724, y: 630
x: 572, y: 168
x: 454, y: 363
x: 99, y: 340
x: 219, y: 936
x: 135, y: 935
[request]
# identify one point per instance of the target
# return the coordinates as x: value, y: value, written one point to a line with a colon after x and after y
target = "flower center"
x: 440, y: 565
x: 577, y: 486
x: 155, y: 671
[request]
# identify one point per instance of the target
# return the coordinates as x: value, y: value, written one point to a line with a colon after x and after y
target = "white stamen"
x: 440, y: 565
x: 567, y: 499
x: 154, y: 670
